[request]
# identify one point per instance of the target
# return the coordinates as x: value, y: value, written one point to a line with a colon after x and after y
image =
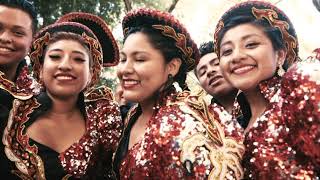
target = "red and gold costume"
x: 230, y: 125
x: 91, y: 156
x: 284, y: 141
x: 33, y: 160
x: 20, y: 89
x: 182, y: 141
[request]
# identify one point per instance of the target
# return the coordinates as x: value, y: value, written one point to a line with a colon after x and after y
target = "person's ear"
x: 174, y: 66
x: 281, y: 56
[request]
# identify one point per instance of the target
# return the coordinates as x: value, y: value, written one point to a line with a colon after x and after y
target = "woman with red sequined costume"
x: 169, y: 134
x: 71, y: 129
x: 257, y: 43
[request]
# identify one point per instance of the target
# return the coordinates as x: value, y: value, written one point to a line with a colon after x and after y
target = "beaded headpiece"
x: 267, y: 12
x: 169, y: 27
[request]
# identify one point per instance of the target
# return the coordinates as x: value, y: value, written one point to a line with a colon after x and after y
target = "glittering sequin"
x: 284, y: 141
x: 103, y: 130
x: 183, y: 140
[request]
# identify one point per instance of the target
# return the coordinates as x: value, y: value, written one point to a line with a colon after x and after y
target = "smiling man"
x: 211, y: 80
x: 210, y: 77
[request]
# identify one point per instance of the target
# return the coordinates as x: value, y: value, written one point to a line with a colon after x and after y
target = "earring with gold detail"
x: 280, y: 71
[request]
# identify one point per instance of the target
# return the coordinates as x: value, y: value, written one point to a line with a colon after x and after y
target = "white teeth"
x: 5, y: 50
x: 130, y: 82
x: 243, y: 69
x: 64, y: 77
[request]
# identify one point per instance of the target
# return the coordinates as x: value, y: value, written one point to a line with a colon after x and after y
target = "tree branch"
x: 128, y: 4
x: 173, y: 5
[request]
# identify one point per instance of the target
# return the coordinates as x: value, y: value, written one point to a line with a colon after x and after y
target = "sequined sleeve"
x: 103, y: 107
x: 110, y: 124
x: 301, y: 92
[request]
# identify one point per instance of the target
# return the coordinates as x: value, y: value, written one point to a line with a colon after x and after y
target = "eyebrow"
x: 214, y: 60
x: 134, y: 53
x: 203, y: 67
x: 242, y: 38
x: 75, y: 51
x: 19, y: 27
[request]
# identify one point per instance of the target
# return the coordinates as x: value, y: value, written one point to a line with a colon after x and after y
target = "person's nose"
x: 237, y: 55
x: 5, y: 37
x: 65, y: 63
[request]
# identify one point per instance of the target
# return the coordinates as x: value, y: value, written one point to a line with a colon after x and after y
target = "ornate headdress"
x: 267, y: 12
x: 100, y: 28
x: 169, y: 27
x: 94, y: 32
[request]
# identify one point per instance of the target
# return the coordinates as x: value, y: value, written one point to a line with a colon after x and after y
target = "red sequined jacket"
x: 23, y: 87
x: 183, y: 140
x: 88, y: 158
x: 284, y: 143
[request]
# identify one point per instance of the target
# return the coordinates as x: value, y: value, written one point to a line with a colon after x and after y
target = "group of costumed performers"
x: 57, y: 123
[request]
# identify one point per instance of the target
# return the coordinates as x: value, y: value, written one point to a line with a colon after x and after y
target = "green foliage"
x: 108, y: 78
x: 50, y: 11
x: 155, y: 4
x: 147, y: 3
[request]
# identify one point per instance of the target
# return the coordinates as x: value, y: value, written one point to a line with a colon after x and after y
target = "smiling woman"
x: 70, y: 129
x: 72, y: 59
x: 169, y: 134
x: 258, y: 50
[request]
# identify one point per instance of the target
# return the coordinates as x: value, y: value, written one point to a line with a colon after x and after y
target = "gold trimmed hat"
x: 266, y: 12
x: 100, y: 28
x: 169, y: 26
x: 90, y: 34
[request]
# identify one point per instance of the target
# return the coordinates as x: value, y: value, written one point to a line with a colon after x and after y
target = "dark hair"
x: 57, y: 36
x: 206, y: 48
x: 272, y: 33
x: 167, y: 48
x: 25, y: 6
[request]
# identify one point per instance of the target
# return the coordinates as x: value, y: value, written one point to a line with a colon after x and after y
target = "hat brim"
x: 100, y: 28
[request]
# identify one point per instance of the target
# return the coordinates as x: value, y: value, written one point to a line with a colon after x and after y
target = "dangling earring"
x: 164, y: 91
x: 169, y: 82
x: 280, y: 71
